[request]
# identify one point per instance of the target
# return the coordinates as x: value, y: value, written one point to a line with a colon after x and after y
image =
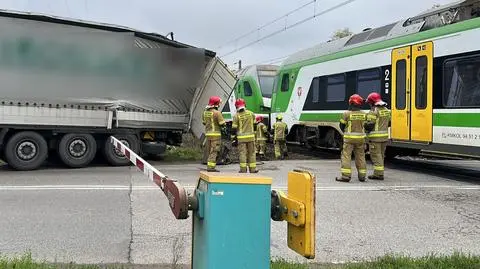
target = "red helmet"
x: 240, y: 103
x: 214, y: 101
x: 259, y: 118
x: 355, y: 100
x: 374, y: 98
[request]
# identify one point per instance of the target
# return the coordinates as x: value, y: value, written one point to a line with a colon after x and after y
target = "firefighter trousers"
x: 247, y: 156
x: 377, y: 154
x: 261, y: 146
x: 358, y: 149
x: 213, y: 146
x: 280, y: 148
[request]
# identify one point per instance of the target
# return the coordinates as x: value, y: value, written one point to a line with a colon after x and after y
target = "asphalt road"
x: 116, y: 215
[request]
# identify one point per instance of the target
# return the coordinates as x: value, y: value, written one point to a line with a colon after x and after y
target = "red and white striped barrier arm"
x: 176, y: 194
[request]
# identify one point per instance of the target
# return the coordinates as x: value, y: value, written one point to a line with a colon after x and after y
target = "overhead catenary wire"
x: 288, y: 27
x: 267, y: 24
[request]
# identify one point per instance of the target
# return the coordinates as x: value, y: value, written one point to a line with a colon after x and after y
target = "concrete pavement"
x: 115, y: 215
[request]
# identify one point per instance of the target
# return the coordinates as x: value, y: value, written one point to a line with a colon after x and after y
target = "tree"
x: 341, y: 33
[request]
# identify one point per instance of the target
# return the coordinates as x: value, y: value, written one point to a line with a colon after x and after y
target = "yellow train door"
x: 422, y: 77
x: 412, y: 77
x: 400, y: 128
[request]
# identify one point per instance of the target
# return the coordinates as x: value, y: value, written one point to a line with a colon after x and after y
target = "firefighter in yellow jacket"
x: 214, y: 126
x: 280, y: 131
x: 352, y: 125
x: 378, y: 121
x: 242, y: 127
x: 261, y: 133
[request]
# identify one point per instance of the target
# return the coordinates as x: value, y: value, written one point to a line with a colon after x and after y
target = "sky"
x: 213, y: 24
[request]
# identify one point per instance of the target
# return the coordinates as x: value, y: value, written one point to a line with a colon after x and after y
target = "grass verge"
x: 179, y: 154
x: 457, y: 261
x: 190, y: 150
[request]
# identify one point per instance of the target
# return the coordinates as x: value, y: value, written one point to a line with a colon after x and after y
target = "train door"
x: 412, y: 75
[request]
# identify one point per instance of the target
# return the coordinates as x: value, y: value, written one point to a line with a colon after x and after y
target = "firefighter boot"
x: 375, y: 177
x: 343, y: 179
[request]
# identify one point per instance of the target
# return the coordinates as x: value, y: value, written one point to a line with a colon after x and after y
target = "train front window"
x: 401, y: 84
x: 266, y: 85
x: 462, y: 82
x: 226, y: 108
x: 421, y: 83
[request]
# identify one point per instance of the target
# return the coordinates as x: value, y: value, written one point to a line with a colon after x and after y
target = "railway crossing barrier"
x: 231, y: 214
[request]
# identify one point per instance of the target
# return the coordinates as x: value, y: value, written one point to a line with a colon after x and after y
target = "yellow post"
x: 298, y: 209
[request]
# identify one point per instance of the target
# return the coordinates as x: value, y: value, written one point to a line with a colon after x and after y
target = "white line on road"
x: 192, y: 187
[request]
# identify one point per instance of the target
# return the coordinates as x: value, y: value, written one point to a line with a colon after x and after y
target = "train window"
x: 285, y: 82
x: 461, y: 86
x: 315, y: 90
x: 275, y: 85
x: 421, y: 82
x: 266, y: 85
x: 247, y: 89
x: 336, y: 88
x: 226, y: 108
x: 368, y: 81
x: 401, y: 85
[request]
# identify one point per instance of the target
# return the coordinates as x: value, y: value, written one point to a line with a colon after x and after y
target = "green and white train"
x: 427, y: 68
x: 255, y: 85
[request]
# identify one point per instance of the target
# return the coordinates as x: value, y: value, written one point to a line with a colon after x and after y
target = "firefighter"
x: 244, y: 137
x: 214, y: 127
x: 352, y: 126
x: 261, y: 133
x: 378, y: 121
x: 280, y: 131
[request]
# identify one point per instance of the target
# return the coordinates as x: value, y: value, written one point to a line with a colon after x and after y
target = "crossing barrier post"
x: 231, y: 214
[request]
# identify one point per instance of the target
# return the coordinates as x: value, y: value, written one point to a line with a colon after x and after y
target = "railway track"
x: 313, y: 152
x: 447, y: 170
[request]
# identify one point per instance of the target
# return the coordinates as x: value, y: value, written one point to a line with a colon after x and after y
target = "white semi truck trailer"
x: 67, y: 85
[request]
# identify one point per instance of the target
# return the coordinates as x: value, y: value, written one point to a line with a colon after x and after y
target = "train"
x: 426, y: 67
x: 255, y: 85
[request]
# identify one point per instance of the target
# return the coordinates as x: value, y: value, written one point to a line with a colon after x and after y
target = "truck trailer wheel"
x: 114, y: 156
x: 26, y: 151
x: 77, y: 150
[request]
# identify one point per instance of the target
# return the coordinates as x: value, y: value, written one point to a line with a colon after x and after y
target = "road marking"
x: 192, y: 187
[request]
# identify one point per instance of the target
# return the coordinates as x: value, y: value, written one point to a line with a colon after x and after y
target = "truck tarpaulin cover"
x: 54, y: 63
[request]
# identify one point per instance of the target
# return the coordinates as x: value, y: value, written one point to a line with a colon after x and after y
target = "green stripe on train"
x: 227, y: 116
x: 439, y: 119
x: 456, y: 119
x: 321, y: 117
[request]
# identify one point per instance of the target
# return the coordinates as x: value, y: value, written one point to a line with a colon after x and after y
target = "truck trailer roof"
x: 97, y: 25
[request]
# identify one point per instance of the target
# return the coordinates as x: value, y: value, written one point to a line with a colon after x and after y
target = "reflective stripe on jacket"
x: 260, y: 132
x: 354, y: 120
x: 243, y: 121
x: 381, y: 117
x: 213, y: 120
x: 279, y: 130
